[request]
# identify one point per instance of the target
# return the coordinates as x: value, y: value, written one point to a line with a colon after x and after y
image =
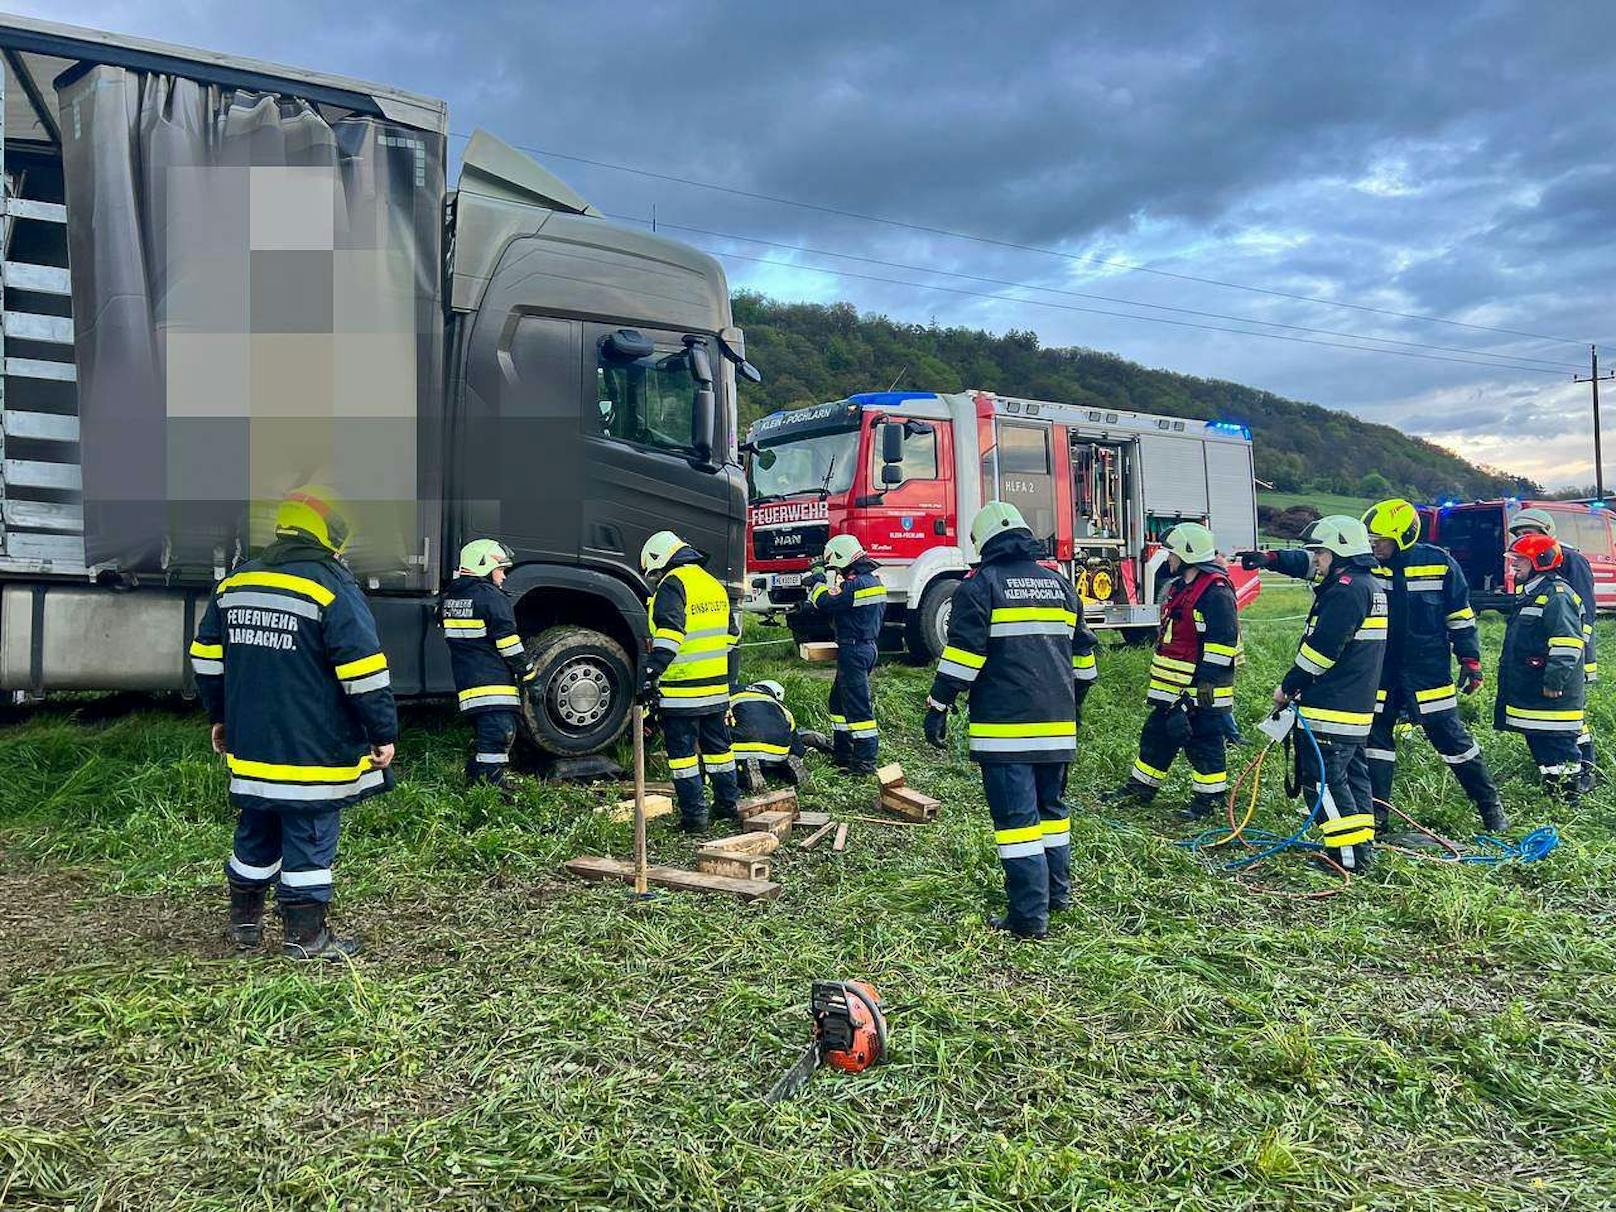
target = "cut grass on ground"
x: 1435, y: 1037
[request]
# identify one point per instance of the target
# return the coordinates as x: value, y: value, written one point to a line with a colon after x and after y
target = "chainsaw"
x: 850, y: 1034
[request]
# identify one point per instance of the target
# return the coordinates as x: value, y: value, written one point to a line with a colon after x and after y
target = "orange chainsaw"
x: 850, y: 1034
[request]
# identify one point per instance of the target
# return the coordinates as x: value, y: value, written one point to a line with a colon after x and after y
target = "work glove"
x: 936, y: 724
x: 529, y: 672
x: 1253, y: 560
x: 1470, y: 678
x: 1206, y: 696
x: 647, y: 695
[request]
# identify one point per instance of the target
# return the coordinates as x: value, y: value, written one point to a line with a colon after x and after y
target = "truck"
x: 905, y: 471
x: 1476, y: 534
x: 226, y: 279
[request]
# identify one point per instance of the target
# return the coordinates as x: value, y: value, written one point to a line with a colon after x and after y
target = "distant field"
x: 1324, y: 502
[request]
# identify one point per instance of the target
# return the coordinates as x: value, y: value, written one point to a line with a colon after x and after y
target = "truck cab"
x: 1476, y: 535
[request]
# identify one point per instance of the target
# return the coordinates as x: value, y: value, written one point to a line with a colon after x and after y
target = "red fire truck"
x: 905, y: 471
x: 1476, y: 534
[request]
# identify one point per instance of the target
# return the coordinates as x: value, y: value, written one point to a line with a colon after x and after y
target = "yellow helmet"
x: 1396, y: 520
x: 315, y: 512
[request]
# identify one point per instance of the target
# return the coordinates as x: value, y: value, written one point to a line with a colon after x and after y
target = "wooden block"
x: 784, y: 800
x: 890, y: 775
x: 741, y: 843
x: 812, y: 820
x: 777, y: 823
x: 737, y: 866
x: 655, y: 806
x: 909, y: 803
x: 591, y: 867
x: 841, y: 837
x: 818, y: 652
x: 817, y: 836
x: 664, y: 788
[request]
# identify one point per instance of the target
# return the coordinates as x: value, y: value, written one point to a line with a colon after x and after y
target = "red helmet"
x: 1543, y: 550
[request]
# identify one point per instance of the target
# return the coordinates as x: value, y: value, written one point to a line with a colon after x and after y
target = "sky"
x: 1447, y: 161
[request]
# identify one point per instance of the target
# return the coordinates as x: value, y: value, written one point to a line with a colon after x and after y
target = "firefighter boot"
x: 246, y: 929
x: 1131, y: 794
x: 307, y: 935
x: 1492, y: 817
x: 1002, y: 922
x: 797, y: 773
x: 751, y: 776
x: 816, y: 741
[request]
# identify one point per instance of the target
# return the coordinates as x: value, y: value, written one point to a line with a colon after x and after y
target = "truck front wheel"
x: 926, y: 628
x: 578, y: 702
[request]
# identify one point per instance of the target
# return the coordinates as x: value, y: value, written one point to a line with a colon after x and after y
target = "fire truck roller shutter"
x: 1229, y: 495
x: 1174, y: 477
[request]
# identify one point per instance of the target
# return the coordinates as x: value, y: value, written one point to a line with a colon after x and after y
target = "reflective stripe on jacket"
x: 1431, y: 622
x: 1337, y: 670
x: 1198, y: 640
x: 1543, y: 648
x: 760, y: 727
x: 485, y: 650
x: 858, y: 607
x: 691, y: 639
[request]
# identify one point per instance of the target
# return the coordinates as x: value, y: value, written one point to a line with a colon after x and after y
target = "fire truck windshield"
x: 819, y: 464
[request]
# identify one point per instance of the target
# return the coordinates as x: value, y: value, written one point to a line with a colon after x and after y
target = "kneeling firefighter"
x: 1541, y: 688
x: 687, y: 676
x: 1017, y: 647
x: 1191, y: 689
x: 1333, y: 684
x: 485, y: 653
x: 857, y: 608
x: 296, y: 685
x: 764, y: 734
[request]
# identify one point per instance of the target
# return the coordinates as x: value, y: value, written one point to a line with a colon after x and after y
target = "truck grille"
x: 788, y: 542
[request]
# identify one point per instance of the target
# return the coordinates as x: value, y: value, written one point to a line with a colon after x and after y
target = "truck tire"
x: 579, y: 701
x: 926, y: 629
x: 1135, y: 636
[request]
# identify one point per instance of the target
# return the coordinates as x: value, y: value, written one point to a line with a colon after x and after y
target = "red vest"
x: 1178, y: 637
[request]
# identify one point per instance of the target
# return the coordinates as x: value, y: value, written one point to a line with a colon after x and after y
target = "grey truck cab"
x: 226, y: 278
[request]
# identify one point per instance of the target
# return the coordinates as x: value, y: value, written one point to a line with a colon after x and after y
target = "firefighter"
x: 1191, y: 692
x: 856, y: 608
x: 1016, y: 646
x: 1579, y: 574
x: 296, y: 686
x: 1541, y: 685
x: 485, y: 652
x: 1431, y: 623
x: 764, y: 735
x: 687, y: 676
x: 1333, y: 685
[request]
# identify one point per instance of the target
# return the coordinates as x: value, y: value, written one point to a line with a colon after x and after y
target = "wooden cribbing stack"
x: 903, y: 800
x: 744, y: 856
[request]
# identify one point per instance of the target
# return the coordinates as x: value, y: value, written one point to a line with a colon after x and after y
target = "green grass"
x: 1434, y: 1037
x: 1324, y: 502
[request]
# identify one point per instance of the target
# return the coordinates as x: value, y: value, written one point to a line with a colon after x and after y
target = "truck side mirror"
x: 701, y: 366
x: 626, y: 345
x: 703, y: 422
x: 891, y: 445
x: 891, y: 474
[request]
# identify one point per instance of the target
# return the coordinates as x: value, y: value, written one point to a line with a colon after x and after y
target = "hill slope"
x: 810, y: 352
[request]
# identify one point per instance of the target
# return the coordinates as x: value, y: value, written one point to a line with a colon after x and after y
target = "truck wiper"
x: 824, y: 485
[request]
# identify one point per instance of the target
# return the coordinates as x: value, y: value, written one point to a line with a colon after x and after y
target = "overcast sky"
x: 1449, y: 160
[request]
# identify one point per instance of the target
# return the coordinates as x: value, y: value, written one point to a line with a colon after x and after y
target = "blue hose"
x: 1535, y: 845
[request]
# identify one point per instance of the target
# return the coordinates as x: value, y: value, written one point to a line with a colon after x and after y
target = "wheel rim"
x: 580, y: 694
x: 944, y: 613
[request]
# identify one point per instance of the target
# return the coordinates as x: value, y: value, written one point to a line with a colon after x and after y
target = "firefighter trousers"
x: 292, y: 850
x: 493, y: 734
x: 697, y: 744
x: 1347, y: 818
x: 854, y: 736
x: 1206, y: 748
x: 1033, y: 833
x: 1448, y: 736
x: 1559, y: 760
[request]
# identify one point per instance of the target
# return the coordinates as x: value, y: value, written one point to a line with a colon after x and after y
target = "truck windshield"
x: 808, y: 465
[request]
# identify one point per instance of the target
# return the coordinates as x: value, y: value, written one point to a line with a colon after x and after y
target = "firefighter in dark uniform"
x: 1431, y: 623
x: 1017, y: 647
x: 1579, y: 574
x: 1542, y: 691
x: 856, y: 608
x: 292, y: 674
x: 485, y: 652
x: 764, y: 735
x: 1191, y: 689
x: 687, y: 676
x: 1333, y: 684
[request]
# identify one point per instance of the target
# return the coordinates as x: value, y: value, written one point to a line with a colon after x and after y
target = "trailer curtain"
x: 256, y: 301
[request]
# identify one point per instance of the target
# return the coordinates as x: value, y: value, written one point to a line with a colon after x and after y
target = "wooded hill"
x: 811, y: 353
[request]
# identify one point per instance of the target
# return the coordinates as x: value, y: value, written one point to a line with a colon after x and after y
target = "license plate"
x: 788, y: 580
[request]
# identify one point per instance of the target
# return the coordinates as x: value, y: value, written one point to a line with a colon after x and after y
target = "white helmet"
x: 995, y: 518
x: 1526, y: 519
x: 480, y: 557
x: 774, y: 690
x: 658, y: 550
x: 1338, y: 533
x: 1192, y: 543
x: 843, y: 551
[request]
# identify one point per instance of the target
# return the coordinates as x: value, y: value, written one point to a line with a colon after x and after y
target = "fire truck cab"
x: 905, y: 471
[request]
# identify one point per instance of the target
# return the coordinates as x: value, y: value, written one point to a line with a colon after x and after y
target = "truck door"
x: 915, y: 512
x: 1025, y: 470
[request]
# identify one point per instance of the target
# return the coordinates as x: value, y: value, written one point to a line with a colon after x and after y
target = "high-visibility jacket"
x: 760, y: 728
x: 691, y: 638
x: 1579, y: 574
x: 1542, y: 651
x: 858, y: 607
x: 1197, y: 641
x: 1430, y: 623
x: 288, y: 660
x: 1014, y: 643
x: 1337, y: 671
x: 485, y: 649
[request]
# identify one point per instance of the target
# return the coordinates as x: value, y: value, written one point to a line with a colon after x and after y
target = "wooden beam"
x: 812, y: 820
x: 818, y: 652
x: 784, y: 800
x: 841, y: 837
x: 594, y: 868
x: 890, y: 775
x: 736, y: 866
x: 777, y: 823
x: 742, y: 843
x: 908, y: 803
x: 817, y: 836
x: 623, y: 810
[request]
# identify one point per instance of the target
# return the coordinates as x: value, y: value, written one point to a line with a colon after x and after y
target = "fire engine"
x: 905, y: 471
x: 1476, y: 534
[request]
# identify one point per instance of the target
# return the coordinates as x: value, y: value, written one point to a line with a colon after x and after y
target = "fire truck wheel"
x: 926, y: 629
x: 578, y: 702
x: 1138, y: 635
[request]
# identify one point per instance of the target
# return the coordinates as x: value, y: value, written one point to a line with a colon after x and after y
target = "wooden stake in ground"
x: 636, y: 721
x: 841, y: 837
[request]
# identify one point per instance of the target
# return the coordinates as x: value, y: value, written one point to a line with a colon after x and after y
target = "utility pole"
x: 1593, y: 381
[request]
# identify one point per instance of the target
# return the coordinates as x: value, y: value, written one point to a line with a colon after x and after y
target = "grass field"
x: 1437, y: 1036
x: 1324, y: 502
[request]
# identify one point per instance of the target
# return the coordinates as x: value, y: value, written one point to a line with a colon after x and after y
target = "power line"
x: 1033, y: 248
x: 1078, y: 294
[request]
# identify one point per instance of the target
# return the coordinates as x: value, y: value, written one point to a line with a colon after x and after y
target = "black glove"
x: 1206, y: 696
x: 1178, y: 725
x: 936, y: 726
x: 1470, y: 678
x: 647, y: 696
x: 1253, y: 560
